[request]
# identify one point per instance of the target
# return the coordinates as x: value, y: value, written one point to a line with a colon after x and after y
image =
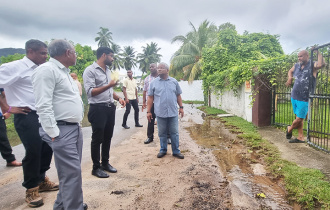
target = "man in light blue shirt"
x: 165, y: 94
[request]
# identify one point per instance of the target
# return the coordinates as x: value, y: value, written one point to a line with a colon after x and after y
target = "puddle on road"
x: 240, y: 167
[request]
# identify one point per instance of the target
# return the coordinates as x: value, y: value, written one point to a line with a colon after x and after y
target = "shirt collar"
x: 97, y: 66
x: 29, y: 63
x: 59, y: 64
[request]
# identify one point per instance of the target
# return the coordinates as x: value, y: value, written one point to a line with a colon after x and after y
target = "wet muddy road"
x: 250, y: 185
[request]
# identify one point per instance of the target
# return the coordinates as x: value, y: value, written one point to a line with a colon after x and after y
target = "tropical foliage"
x: 118, y: 62
x: 149, y: 55
x: 236, y: 58
x: 128, y: 57
x: 105, y: 37
x: 186, y: 62
x: 85, y: 57
x: 10, y: 58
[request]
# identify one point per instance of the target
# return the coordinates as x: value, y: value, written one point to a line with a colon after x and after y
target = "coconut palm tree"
x: 187, y: 59
x: 149, y: 55
x: 128, y: 57
x: 118, y: 61
x: 105, y: 37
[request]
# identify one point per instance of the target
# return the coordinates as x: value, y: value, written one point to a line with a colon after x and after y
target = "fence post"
x: 262, y: 106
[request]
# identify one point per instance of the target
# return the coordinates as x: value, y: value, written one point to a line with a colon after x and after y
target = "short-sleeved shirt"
x: 147, y: 82
x: 130, y: 85
x: 94, y: 76
x: 300, y: 89
x: 165, y: 93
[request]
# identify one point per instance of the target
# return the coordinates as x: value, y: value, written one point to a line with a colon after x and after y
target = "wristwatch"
x: 181, y: 107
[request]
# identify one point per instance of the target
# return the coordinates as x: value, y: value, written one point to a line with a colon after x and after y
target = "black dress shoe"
x: 125, y: 126
x: 109, y: 168
x: 179, y: 155
x: 99, y: 173
x: 160, y: 155
x: 149, y: 140
x: 85, y: 206
x: 138, y: 125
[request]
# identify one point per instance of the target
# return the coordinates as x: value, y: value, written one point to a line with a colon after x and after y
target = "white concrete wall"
x: 193, y: 91
x: 239, y: 105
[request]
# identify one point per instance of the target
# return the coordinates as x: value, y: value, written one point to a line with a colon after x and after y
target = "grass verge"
x: 306, y: 186
x: 192, y: 102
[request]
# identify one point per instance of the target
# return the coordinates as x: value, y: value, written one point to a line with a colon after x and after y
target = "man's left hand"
x: 122, y: 102
x: 181, y: 112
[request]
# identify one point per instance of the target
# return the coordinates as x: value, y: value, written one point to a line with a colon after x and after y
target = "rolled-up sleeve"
x: 89, y: 81
x: 43, y: 80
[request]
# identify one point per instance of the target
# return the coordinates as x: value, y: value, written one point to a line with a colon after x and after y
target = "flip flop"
x: 296, y: 141
x: 288, y: 135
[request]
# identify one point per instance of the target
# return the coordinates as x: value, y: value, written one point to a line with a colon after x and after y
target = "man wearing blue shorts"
x: 301, y: 72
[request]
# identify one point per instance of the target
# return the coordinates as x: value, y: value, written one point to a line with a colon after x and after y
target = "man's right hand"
x: 20, y: 110
x: 149, y: 116
x: 113, y: 83
x: 289, y: 82
x: 144, y: 105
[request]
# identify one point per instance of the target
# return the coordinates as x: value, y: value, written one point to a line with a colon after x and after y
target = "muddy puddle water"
x: 251, y: 186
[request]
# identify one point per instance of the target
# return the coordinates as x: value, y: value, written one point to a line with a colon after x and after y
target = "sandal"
x: 288, y: 135
x: 296, y: 141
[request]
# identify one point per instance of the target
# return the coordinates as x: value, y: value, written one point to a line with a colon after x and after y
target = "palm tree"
x: 128, y: 57
x: 104, y: 38
x: 149, y: 55
x: 118, y: 61
x: 187, y: 59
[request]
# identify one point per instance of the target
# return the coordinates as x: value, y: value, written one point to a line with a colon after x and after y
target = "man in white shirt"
x: 15, y: 77
x: 60, y: 110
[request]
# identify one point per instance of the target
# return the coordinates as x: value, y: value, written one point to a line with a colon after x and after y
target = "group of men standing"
x: 47, y: 107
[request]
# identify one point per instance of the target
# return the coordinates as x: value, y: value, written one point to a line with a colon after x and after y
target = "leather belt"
x: 60, y: 122
x: 110, y: 104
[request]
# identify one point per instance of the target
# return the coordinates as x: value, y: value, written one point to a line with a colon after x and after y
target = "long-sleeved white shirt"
x: 56, y: 96
x: 15, y: 77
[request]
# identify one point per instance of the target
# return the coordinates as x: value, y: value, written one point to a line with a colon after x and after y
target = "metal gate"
x: 318, y: 132
x: 317, y: 124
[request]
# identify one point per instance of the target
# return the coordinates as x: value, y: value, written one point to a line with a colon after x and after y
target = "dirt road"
x: 218, y: 177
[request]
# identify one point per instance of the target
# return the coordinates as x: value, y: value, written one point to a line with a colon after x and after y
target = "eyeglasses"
x: 74, y: 52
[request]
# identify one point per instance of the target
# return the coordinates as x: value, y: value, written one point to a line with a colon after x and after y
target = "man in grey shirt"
x: 60, y: 110
x: 102, y: 110
x: 165, y: 94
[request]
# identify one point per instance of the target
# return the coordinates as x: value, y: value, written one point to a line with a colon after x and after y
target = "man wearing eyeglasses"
x: 15, y: 77
x: 102, y: 110
x: 60, y: 111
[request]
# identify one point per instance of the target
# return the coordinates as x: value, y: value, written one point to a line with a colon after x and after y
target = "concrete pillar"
x: 262, y: 106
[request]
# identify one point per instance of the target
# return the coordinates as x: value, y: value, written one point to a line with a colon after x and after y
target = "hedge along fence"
x: 232, y: 78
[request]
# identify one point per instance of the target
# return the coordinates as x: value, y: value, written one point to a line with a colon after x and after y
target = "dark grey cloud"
x: 299, y: 23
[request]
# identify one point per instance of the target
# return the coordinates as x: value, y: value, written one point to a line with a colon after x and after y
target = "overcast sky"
x: 300, y: 23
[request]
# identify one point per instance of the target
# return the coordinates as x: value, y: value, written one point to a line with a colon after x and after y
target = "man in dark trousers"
x: 102, y: 110
x: 131, y: 99
x: 5, y: 148
x: 15, y: 78
x: 147, y: 81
